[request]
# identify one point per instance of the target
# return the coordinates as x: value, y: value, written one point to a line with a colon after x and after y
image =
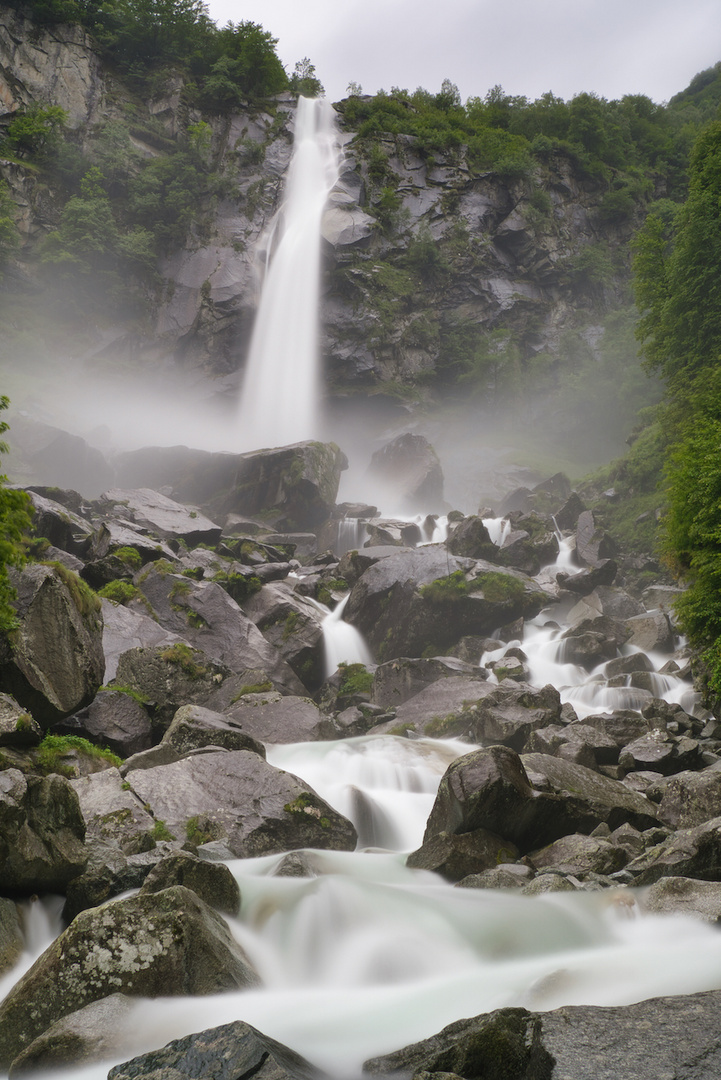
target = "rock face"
x: 162, y: 943
x: 53, y: 663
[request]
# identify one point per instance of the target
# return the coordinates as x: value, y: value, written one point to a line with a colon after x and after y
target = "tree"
x: 304, y: 81
x: 36, y: 130
x: 9, y: 238
x: 15, y: 523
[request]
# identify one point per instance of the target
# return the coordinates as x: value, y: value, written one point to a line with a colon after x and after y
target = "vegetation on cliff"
x: 677, y: 276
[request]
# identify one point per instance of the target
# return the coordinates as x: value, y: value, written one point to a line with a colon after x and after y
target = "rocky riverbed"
x: 169, y: 658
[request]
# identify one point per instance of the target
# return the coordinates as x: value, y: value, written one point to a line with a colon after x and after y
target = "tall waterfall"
x: 280, y: 393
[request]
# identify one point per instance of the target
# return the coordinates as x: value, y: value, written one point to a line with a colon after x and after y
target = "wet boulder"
x: 124, y: 629
x: 42, y: 833
x: 295, y: 485
x: 408, y: 473
x: 440, y: 710
x: 12, y: 941
x: 64, y: 527
x: 112, y: 812
x: 17, y: 727
x: 168, y: 677
x: 205, y: 615
x: 591, y: 641
x: 686, y: 896
x: 426, y: 599
x: 593, y: 545
x: 457, y: 856
x: 589, y: 798
x: 53, y: 663
x: 580, y: 855
x: 293, y: 626
x: 691, y: 853
x: 114, y: 720
x: 236, y: 797
x: 651, y: 632
x: 234, y: 1050
x: 162, y: 517
x: 194, y: 727
x: 508, y: 714
x: 471, y: 539
x: 269, y: 717
x: 691, y: 798
x: 506, y: 1042
x: 659, y: 751
x: 398, y: 680
x: 211, y: 881
x: 96, y: 1032
x: 586, y: 581
x: 151, y: 945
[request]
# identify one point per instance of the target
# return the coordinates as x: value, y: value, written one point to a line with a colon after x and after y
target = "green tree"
x: 9, y: 237
x: 304, y: 80
x: 15, y: 524
x: 36, y: 130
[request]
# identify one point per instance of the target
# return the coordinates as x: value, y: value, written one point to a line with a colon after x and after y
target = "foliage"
x: 184, y: 657
x: 305, y: 81
x: 36, y: 130
x: 120, y: 592
x: 355, y: 679
x: 447, y: 590
x: 54, y: 748
x: 9, y: 238
x: 16, y: 516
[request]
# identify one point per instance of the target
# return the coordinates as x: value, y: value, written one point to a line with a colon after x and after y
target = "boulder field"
x: 161, y: 646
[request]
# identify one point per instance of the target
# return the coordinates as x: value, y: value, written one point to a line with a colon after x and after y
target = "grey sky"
x: 612, y: 47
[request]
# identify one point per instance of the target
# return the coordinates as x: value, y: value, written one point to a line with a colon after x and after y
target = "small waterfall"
x: 343, y: 643
x: 498, y: 529
x: 281, y: 387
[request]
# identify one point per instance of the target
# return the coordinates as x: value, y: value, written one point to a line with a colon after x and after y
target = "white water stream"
x: 281, y: 391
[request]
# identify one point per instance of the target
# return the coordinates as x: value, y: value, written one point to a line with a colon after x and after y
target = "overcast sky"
x: 612, y: 47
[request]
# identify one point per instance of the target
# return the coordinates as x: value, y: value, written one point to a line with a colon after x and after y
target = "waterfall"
x: 343, y: 644
x: 280, y: 393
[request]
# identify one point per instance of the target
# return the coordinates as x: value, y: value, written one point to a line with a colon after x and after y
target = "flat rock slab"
x: 238, y: 797
x: 164, y: 517
x: 281, y: 720
x: 124, y: 629
x: 441, y: 709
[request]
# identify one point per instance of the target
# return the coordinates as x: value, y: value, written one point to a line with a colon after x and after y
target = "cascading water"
x: 281, y: 389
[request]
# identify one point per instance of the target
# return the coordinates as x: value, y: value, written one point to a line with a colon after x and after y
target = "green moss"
x: 24, y: 722
x: 195, y: 833
x: 196, y: 620
x: 54, y: 748
x: 252, y: 688
x: 161, y: 831
x: 306, y: 804
x: 130, y: 556
x: 290, y: 625
x: 120, y: 592
x: 134, y: 694
x: 447, y: 590
x: 441, y: 726
x: 356, y: 679
x: 499, y: 588
x: 184, y: 657
x: 125, y: 786
x: 240, y: 586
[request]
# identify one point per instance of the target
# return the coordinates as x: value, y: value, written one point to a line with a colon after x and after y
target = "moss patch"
x: 54, y: 748
x: 356, y: 679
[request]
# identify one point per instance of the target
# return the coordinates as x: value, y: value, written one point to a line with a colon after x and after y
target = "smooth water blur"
x: 281, y: 390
